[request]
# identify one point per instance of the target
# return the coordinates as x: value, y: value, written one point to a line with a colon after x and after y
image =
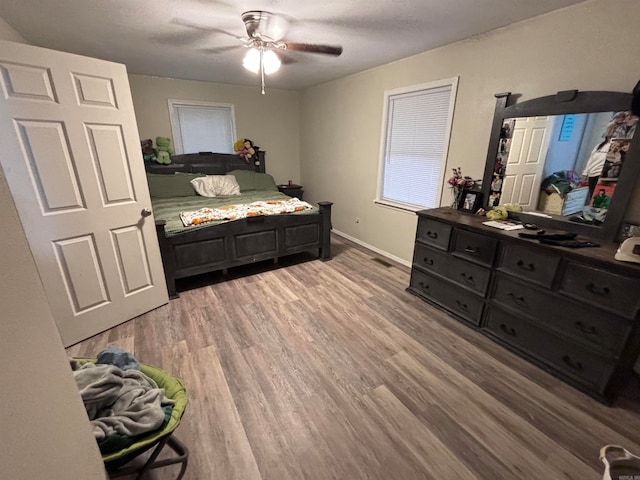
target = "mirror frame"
x: 562, y: 103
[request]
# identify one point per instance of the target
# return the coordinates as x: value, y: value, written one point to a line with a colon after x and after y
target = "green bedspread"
x: 169, y: 208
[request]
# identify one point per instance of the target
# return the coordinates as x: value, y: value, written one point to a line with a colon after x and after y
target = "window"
x: 202, y: 126
x: 415, y: 139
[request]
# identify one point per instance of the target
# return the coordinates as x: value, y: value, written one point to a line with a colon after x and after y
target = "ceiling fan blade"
x: 205, y: 28
x: 284, y: 58
x: 313, y: 48
x: 223, y: 49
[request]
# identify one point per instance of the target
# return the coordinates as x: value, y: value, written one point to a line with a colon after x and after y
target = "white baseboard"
x: 371, y: 247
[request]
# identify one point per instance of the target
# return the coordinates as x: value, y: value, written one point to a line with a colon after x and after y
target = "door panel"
x: 111, y: 163
x: 128, y: 244
x: 75, y: 171
x: 526, y: 161
x: 52, y: 170
x: 82, y: 273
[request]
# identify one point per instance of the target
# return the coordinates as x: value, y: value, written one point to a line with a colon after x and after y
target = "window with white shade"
x: 415, y: 140
x: 202, y: 126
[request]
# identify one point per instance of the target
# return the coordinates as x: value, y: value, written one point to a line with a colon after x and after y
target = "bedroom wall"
x: 590, y: 46
x: 8, y: 33
x: 271, y: 120
x: 45, y: 426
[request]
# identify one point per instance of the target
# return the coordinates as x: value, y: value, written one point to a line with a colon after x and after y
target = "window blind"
x: 204, y: 128
x: 417, y: 133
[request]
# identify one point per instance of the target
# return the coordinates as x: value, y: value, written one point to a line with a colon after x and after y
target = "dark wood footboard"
x: 242, y: 242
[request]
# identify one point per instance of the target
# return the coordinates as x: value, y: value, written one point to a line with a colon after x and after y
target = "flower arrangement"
x: 458, y: 184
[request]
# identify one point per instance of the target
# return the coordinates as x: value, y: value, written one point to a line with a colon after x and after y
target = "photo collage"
x: 604, y: 166
x: 501, y: 162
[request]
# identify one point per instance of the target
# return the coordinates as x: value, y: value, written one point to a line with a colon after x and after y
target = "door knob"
x: 145, y: 212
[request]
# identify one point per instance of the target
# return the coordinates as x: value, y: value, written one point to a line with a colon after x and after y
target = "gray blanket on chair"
x: 125, y: 402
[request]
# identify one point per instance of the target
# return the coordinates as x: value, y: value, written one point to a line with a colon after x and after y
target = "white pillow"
x: 215, y: 185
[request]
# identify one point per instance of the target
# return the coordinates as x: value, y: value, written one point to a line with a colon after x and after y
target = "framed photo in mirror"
x: 470, y: 201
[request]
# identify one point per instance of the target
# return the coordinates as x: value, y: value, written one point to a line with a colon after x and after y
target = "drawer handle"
x: 427, y: 261
x: 589, y: 330
x: 517, y: 299
x: 573, y: 364
x: 431, y: 234
x: 463, y: 306
x: 468, y: 278
x: 601, y: 292
x: 423, y: 285
x: 472, y: 251
x: 508, y: 330
x: 529, y: 267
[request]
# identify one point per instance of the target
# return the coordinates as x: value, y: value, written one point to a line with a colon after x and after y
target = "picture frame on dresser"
x: 470, y: 200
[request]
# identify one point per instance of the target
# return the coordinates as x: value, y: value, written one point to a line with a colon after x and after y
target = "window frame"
x: 175, y: 121
x: 451, y: 82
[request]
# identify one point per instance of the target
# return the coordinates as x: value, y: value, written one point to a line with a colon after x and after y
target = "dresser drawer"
x: 556, y: 352
x: 460, y: 301
x: 459, y: 271
x: 600, y: 288
x: 533, y: 265
x: 594, y: 328
x: 474, y: 246
x: 434, y: 233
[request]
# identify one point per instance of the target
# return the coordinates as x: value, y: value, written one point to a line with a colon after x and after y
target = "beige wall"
x: 591, y: 46
x: 271, y: 120
x: 8, y: 33
x: 45, y: 427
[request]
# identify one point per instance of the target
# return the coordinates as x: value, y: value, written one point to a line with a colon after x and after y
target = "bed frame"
x: 241, y: 242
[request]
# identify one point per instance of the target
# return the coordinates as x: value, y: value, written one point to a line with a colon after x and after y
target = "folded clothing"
x: 114, y: 355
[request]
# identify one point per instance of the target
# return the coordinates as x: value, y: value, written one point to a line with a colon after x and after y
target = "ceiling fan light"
x: 252, y: 60
x: 271, y: 62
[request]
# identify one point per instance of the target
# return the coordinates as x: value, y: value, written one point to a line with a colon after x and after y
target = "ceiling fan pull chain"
x: 262, y: 69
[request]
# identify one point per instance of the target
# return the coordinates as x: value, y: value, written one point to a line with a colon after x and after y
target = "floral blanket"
x: 235, y: 212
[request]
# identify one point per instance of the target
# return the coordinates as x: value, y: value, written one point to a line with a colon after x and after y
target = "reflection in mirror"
x: 565, y: 165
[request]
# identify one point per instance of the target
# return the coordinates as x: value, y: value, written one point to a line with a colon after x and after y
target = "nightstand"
x: 292, y: 190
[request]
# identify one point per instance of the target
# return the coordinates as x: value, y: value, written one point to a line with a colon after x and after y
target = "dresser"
x: 573, y: 312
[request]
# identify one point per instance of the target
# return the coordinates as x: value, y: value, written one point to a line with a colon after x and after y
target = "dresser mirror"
x: 568, y: 159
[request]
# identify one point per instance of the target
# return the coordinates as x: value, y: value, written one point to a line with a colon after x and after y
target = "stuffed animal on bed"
x: 149, y: 154
x: 165, y: 150
x: 247, y: 151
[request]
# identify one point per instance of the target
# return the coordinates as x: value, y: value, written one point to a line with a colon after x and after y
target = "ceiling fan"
x: 266, y: 32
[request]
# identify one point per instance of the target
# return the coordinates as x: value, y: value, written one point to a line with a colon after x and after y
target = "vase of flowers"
x: 458, y: 184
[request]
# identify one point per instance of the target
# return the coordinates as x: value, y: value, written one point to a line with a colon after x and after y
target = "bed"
x: 213, y: 246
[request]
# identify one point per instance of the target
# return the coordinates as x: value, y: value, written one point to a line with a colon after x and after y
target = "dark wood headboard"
x: 208, y: 163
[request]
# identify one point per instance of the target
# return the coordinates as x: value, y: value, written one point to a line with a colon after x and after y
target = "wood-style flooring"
x: 330, y: 370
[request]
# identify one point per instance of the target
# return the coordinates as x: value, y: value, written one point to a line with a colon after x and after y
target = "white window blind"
x: 202, y: 127
x: 416, y: 138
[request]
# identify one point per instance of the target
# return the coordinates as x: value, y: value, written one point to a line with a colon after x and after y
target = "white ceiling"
x: 186, y: 38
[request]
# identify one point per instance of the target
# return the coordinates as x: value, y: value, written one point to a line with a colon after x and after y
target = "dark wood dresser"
x: 573, y: 312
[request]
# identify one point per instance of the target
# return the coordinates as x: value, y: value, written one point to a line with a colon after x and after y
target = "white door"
x: 72, y: 159
x: 525, y: 164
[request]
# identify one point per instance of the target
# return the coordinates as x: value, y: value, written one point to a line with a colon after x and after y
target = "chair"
x: 116, y: 462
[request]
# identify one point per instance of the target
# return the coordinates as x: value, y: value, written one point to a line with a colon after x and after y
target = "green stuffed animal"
x: 164, y: 149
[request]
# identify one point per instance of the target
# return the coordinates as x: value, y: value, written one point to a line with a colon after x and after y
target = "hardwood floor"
x: 315, y: 370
